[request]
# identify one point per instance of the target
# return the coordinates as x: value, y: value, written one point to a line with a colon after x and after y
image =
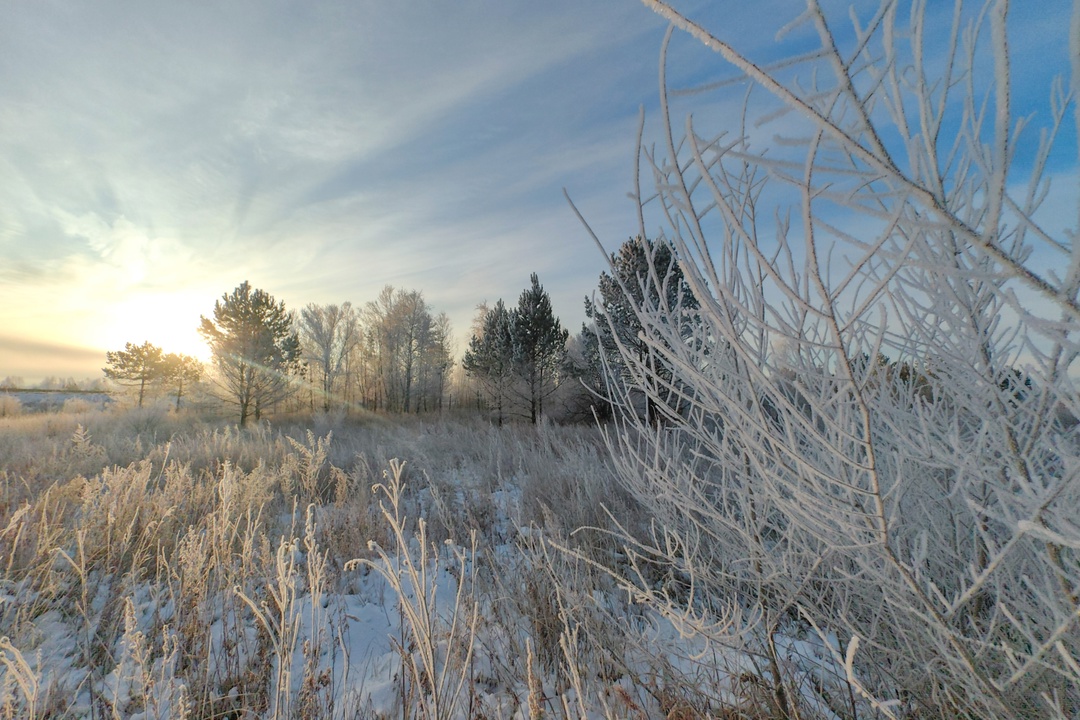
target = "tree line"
x: 395, y: 353
x: 147, y: 366
x: 53, y: 383
x: 392, y: 355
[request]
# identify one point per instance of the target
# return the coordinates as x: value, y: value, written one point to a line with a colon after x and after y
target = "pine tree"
x: 490, y: 357
x: 139, y: 365
x: 254, y: 346
x: 539, y: 346
x: 182, y: 371
x: 646, y: 277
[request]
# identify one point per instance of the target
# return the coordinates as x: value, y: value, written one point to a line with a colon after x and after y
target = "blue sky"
x: 155, y: 154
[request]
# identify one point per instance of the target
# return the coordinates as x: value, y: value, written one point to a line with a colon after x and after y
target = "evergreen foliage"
x: 539, y: 346
x: 255, y: 349
x: 519, y: 352
x: 136, y: 365
x: 645, y: 277
x: 490, y: 357
x: 181, y: 371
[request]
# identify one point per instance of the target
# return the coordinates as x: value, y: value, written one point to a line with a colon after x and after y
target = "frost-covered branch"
x: 868, y: 409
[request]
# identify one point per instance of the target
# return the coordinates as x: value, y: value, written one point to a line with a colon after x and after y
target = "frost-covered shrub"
x: 9, y: 405
x: 78, y: 406
x: 870, y: 434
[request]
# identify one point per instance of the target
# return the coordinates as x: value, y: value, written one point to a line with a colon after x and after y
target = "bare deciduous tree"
x: 407, y: 350
x: 328, y: 334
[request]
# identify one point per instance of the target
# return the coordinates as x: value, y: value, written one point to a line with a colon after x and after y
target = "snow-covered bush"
x: 876, y: 435
x: 9, y: 405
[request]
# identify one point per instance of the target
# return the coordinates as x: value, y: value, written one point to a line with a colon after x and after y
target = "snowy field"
x: 160, y: 565
x: 841, y: 481
x: 157, y: 566
x: 53, y: 400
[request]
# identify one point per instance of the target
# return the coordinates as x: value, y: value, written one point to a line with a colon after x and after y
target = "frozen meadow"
x: 840, y: 481
x: 158, y: 566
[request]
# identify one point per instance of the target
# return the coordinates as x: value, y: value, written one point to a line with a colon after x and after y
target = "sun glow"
x: 168, y: 320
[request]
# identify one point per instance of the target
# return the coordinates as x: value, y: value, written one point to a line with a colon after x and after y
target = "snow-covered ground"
x: 283, y: 573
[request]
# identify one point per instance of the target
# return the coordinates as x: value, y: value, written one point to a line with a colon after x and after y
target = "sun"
x: 169, y: 320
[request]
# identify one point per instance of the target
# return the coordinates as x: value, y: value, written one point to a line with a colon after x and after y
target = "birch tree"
x: 874, y: 196
x: 407, y: 349
x: 328, y: 334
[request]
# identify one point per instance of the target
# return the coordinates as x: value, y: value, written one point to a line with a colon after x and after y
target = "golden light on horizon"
x: 168, y: 320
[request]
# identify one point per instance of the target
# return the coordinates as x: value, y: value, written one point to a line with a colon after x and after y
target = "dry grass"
x: 157, y: 563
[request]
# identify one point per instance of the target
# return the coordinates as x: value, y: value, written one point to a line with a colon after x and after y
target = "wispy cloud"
x: 307, y: 146
x: 319, y: 150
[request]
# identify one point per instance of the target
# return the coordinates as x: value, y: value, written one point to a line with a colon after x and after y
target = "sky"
x: 154, y: 155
